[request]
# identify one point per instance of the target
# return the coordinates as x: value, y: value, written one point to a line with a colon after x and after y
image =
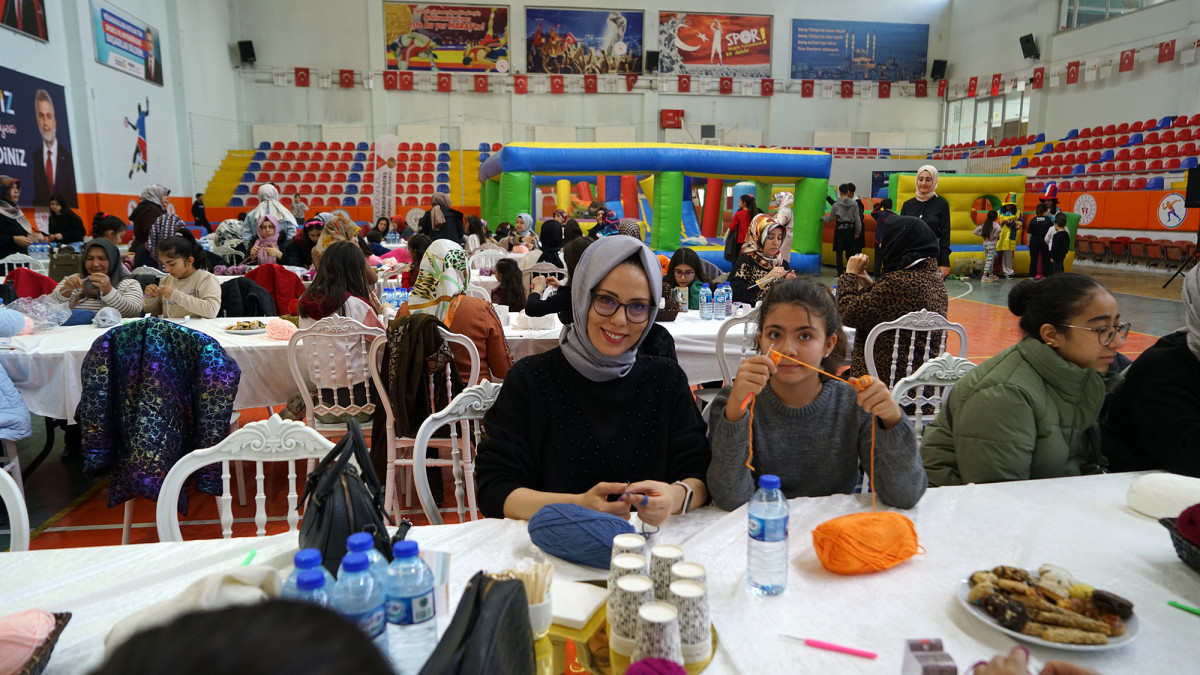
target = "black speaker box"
x: 246, y: 49
x: 938, y: 71
x: 651, y: 61
x: 1192, y: 198
x: 1029, y: 48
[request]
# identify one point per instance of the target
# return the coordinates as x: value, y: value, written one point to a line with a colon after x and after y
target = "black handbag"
x: 490, y: 631
x: 339, y: 502
x: 732, y: 248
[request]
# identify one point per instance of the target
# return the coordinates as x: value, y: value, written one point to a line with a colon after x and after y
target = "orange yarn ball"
x: 865, y: 542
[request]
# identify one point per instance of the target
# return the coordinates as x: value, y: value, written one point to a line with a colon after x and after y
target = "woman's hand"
x: 166, y: 291
x: 539, y: 284
x: 552, y: 281
x: 596, y: 499
x: 274, y: 252
x: 944, y: 271
x: 253, y: 252
x: 22, y: 241
x: 152, y: 291
x: 1017, y: 663
x: 877, y: 400
x: 752, y: 375
x: 655, y: 500
x: 857, y: 264
x: 101, y: 281
x: 774, y: 274
x: 71, y: 284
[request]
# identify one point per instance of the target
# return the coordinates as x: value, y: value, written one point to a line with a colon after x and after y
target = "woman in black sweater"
x: 65, y: 226
x: 645, y: 446
x: 934, y: 210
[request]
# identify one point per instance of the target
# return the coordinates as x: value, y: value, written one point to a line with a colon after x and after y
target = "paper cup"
x: 691, y: 601
x: 631, y: 592
x: 629, y: 542
x: 662, y: 557
x: 625, y: 564
x: 540, y: 617
x: 658, y: 633
x: 688, y: 571
x: 502, y: 312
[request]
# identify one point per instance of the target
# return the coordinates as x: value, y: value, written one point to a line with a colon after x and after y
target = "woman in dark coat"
x: 145, y: 213
x: 65, y: 226
x: 934, y: 210
x: 16, y: 234
x: 443, y: 222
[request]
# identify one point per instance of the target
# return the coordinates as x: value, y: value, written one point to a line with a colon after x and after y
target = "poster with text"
x: 714, y: 45
x: 127, y: 43
x: 582, y: 41
x: 25, y: 16
x: 858, y: 50
x: 446, y: 37
x: 35, y: 139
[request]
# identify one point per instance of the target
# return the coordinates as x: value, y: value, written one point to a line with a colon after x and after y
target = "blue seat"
x: 884, y: 152
x: 360, y: 156
x: 1049, y: 147
x: 362, y: 145
x: 1155, y: 183
x: 1016, y: 152
x: 1135, y: 139
x: 247, y: 178
x: 236, y: 201
x: 483, y: 156
x: 1107, y: 155
x: 1023, y: 163
x: 265, y: 145
x: 351, y: 189
x: 1074, y: 133
x: 1187, y: 163
x: 444, y: 189
x: 357, y: 166
x: 1041, y: 138
x: 1079, y: 168
x: 349, y: 201
x: 254, y: 166
x: 443, y: 157
x: 443, y: 178
x: 354, y: 178
x: 443, y: 147
x: 979, y: 144
x: 242, y: 188
x: 484, y: 147
x: 443, y: 166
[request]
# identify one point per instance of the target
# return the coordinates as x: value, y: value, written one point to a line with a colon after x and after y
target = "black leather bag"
x: 732, y: 249
x: 490, y: 631
x: 339, y: 502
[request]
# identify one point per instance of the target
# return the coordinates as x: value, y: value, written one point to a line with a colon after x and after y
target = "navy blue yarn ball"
x: 576, y: 533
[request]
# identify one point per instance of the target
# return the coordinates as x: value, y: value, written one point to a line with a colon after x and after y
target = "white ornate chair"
x: 15, y: 260
x: 327, y: 347
x: 540, y: 269
x: 933, y: 325
x: 271, y: 440
x: 930, y: 385
x: 484, y: 256
x: 384, y: 276
x: 463, y: 414
x: 18, y: 513
x: 477, y: 292
x: 13, y: 466
x: 749, y: 333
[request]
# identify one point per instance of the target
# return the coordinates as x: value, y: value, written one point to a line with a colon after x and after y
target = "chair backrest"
x: 540, y: 269
x: 477, y: 292
x: 330, y: 348
x: 18, y: 513
x: 930, y: 385
x: 10, y: 262
x: 270, y: 440
x: 934, y: 325
x: 749, y: 332
x: 384, y: 276
x: 472, y: 351
x: 485, y: 257
x: 464, y: 412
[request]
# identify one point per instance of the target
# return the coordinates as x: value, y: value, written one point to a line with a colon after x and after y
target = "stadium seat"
x: 1135, y: 127
x: 1106, y: 184
x: 484, y: 147
x: 1167, y: 136
x: 293, y: 177
x: 306, y: 189
x: 1122, y: 167
x: 444, y: 189
x: 1122, y: 154
x: 443, y: 157
x: 1171, y: 150
x: 496, y: 147
x: 412, y: 189
x: 1079, y: 168
x: 362, y: 145
x: 1122, y: 184
x: 411, y: 178
x: 443, y: 147
x: 1180, y: 121
x: 367, y: 189
x: 277, y: 145
x: 1094, y: 168
x: 427, y: 189
x: 1122, y: 128
x: 263, y: 177
x: 404, y: 147
x: 1084, y: 133
x: 339, y: 178
x: 351, y: 189
x: 265, y: 145
x: 289, y: 156
x: 1094, y: 156
x: 252, y: 202
x: 1092, y: 184
x: 328, y: 166
x: 364, y: 201
x: 1072, y: 146
x: 277, y: 177
x: 483, y: 156
x: 1110, y: 129
x: 289, y: 190
x: 1074, y: 133
x: 427, y: 166
x: 354, y: 178
x: 1154, y: 152
x: 321, y: 189
x: 1108, y: 167
x: 1097, y: 131
x: 442, y: 178
x: 414, y: 166
x: 1172, y: 164
x: 1138, y: 153
x: 1188, y: 163
x: 348, y: 201
x: 1107, y: 156
x: 427, y: 178
x: 321, y: 145
x: 1184, y: 135
x: 335, y: 189
x: 235, y: 201
x: 368, y: 177
x: 1155, y: 165
x: 1139, y: 183
x: 443, y: 166
x: 259, y: 156
x: 1155, y: 183
x: 1110, y: 142
x: 324, y: 178
x: 1138, y: 165
x: 411, y: 201
x: 247, y: 177
x: 242, y: 189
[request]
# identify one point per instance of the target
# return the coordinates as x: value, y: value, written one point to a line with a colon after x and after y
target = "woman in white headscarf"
x: 783, y: 216
x: 1153, y: 419
x: 934, y: 210
x: 268, y: 203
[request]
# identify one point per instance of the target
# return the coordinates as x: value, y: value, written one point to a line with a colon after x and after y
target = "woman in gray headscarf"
x: 1153, y: 419
x: 268, y: 203
x: 153, y: 205
x: 443, y: 222
x: 102, y: 282
x: 640, y: 422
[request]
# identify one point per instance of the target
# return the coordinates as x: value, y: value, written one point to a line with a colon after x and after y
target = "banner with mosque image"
x: 472, y: 38
x: 858, y: 50
x: 582, y: 41
x: 714, y: 45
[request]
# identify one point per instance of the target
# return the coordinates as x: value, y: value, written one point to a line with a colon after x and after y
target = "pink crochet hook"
x: 829, y: 646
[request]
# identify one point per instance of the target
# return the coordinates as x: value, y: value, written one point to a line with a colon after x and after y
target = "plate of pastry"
x: 1049, y: 607
x: 246, y: 328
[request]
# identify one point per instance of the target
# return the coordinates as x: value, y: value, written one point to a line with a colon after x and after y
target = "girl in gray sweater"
x: 811, y: 431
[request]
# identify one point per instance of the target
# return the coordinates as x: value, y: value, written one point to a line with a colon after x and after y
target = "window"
x: 1080, y: 13
x: 970, y: 120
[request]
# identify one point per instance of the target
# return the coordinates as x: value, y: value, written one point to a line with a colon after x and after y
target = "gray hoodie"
x: 843, y: 212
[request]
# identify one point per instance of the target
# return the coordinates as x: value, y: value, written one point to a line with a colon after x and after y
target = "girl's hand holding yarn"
x: 597, y: 499
x: 752, y: 375
x: 654, y: 500
x: 875, y: 398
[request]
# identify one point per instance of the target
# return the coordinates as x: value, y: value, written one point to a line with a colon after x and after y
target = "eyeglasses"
x: 686, y: 275
x: 606, y: 305
x: 1105, y: 334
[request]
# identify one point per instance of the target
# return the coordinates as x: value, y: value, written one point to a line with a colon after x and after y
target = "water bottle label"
x: 768, y: 529
x: 372, y: 622
x: 409, y: 611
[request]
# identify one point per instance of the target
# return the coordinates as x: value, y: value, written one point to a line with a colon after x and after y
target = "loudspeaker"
x: 651, y: 62
x: 708, y: 131
x: 1192, y: 199
x: 1029, y: 48
x: 938, y: 71
x: 246, y: 49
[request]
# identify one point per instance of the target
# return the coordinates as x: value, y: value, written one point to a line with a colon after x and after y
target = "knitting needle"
x: 249, y: 557
x: 829, y: 646
x: 1180, y: 605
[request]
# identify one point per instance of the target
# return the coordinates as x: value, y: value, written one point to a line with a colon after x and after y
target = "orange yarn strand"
x: 750, y: 444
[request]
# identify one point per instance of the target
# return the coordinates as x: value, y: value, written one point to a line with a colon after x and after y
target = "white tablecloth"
x: 1079, y: 523
x: 45, y: 366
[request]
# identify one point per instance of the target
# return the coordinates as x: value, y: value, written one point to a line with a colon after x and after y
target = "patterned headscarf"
x: 630, y: 227
x: 610, y: 222
x: 442, y: 276
x: 268, y: 202
x: 9, y: 208
x: 337, y: 228
x: 230, y: 230
x: 156, y: 194
x: 756, y: 239
x: 164, y: 226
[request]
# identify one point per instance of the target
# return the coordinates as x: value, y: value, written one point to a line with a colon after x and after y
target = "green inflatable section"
x: 807, y: 209
x: 516, y: 195
x: 490, y: 208
x: 668, y: 210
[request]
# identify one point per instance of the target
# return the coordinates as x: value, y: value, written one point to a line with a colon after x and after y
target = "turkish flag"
x: 630, y: 80
x: 847, y: 89
x: 941, y: 88
x: 685, y: 84
x: 481, y: 84
x: 1166, y: 51
x: 1073, y: 72
x: 590, y: 84
x: 345, y: 79
x: 768, y: 87
x: 885, y: 89
x: 1039, y: 76
x: 556, y: 84
x: 806, y: 88
x: 445, y: 83
x: 391, y: 79
x: 996, y: 80
x: 520, y: 84
x: 726, y: 85
x: 922, y: 88
x: 302, y: 77
x: 1126, y: 61
x: 406, y: 81
x: 972, y: 87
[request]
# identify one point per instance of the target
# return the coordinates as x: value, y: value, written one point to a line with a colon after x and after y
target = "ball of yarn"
x: 575, y: 533
x: 20, y: 636
x: 374, y: 260
x: 865, y: 542
x: 1163, y: 495
x: 280, y: 329
x: 28, y: 329
x: 107, y: 317
x: 1188, y: 524
x: 520, y: 248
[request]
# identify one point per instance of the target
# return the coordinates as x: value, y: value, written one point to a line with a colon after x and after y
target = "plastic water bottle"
x: 767, y: 547
x: 410, y: 608
x: 718, y: 306
x: 706, y: 303
x: 728, y: 300
x: 359, y: 598
x: 311, y: 587
x: 305, y: 559
x: 364, y: 543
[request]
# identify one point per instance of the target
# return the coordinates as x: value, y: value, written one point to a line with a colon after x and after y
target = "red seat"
x: 364, y: 201
x: 1097, y: 143
x: 1110, y: 129
x: 339, y: 178
x: 1092, y: 184
x: 1110, y: 141
x: 306, y: 145
x: 1180, y: 121
x: 369, y: 177
x: 293, y: 177
x: 1109, y: 167
x: 1072, y: 145
x: 1150, y: 125
x: 310, y: 177
x: 285, y: 166
x: 1085, y: 133
x: 1138, y: 165
x: 342, y: 166
x: 1184, y: 135
x: 306, y: 189
x: 1154, y: 151
x: 1139, y: 152
x: 1122, y: 184
x: 1097, y: 130
x: 427, y: 189
x: 1035, y: 161
x: 1151, y: 138
x: 401, y: 156
x: 1173, y: 163
x: 1187, y: 149
x: 293, y: 145
x: 1043, y: 171
x: 322, y: 145
x: 268, y: 166
x: 263, y: 177
x: 427, y: 166
x: 1122, y: 167
x: 413, y: 177
x: 327, y: 166
x: 1123, y: 128
x: 1167, y: 136
x: 302, y: 156
x: 1106, y: 184
x: 1139, y: 184
x: 335, y: 189
x: 321, y: 189
x: 347, y: 156
x: 324, y: 178
x: 277, y: 145
x: 430, y: 147
x: 413, y: 189
x: 1094, y: 168
x: 403, y: 146
x: 289, y: 189
x: 1135, y: 128
x: 1155, y: 165
x: 277, y: 177
x: 414, y: 166
x: 1171, y: 150
x: 496, y: 147
x: 1094, y: 156
x: 289, y: 156
x: 1122, y: 154
x: 427, y: 178
x: 366, y: 188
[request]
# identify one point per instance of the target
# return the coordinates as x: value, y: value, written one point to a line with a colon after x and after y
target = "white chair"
x: 13, y: 467
x: 395, y: 444
x: 540, y: 269
x: 930, y: 385
x: 464, y: 413
x: 271, y: 440
x: 15, y: 260
x: 748, y: 340
x: 18, y: 513
x: 477, y: 292
x: 484, y: 257
x: 328, y: 348
x: 384, y: 276
x: 932, y: 324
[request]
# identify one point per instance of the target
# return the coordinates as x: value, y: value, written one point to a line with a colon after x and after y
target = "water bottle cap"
x: 768, y: 481
x: 355, y: 562
x: 360, y: 541
x: 405, y: 549
x: 310, y: 580
x: 307, y: 558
